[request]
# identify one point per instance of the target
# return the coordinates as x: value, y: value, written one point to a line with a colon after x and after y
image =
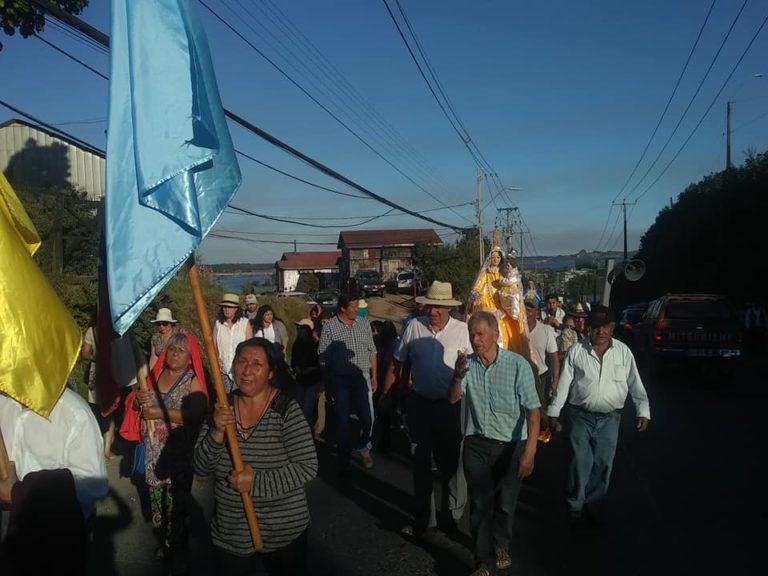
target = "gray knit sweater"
x: 282, y: 453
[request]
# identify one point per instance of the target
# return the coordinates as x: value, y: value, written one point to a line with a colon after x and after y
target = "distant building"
x: 37, y: 158
x: 325, y: 265
x: 387, y: 251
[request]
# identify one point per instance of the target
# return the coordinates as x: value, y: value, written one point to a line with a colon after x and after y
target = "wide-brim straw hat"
x: 578, y: 311
x: 164, y: 315
x: 230, y: 300
x: 438, y: 294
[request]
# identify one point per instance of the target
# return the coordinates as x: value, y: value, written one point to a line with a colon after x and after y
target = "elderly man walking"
x: 595, y: 378
x: 502, y: 427
x: 430, y: 345
x: 348, y: 354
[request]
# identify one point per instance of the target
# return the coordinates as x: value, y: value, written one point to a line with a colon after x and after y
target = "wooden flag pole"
x: 221, y: 395
x: 5, y: 464
x: 141, y: 378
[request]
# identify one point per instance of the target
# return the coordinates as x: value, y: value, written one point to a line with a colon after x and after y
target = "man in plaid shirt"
x: 502, y: 427
x: 348, y: 355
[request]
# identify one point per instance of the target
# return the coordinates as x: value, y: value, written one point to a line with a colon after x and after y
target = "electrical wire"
x: 669, y: 101
x: 316, y: 101
x: 314, y: 71
x: 61, y: 133
x: 320, y: 62
x: 690, y: 103
x: 706, y: 112
x: 301, y: 156
x: 289, y: 221
x: 68, y: 55
x: 258, y: 241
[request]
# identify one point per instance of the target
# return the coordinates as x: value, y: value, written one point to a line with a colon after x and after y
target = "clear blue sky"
x: 561, y: 98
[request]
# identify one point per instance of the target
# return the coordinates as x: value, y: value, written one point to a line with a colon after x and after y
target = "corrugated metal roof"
x: 36, y: 157
x: 309, y: 260
x: 374, y: 238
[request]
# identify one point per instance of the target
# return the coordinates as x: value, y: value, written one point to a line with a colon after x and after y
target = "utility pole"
x: 728, y: 164
x: 624, y: 208
x: 480, y: 214
x: 507, y: 232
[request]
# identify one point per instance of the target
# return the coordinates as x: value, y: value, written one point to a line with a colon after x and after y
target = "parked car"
x: 369, y: 283
x: 328, y: 299
x: 630, y: 316
x: 407, y: 279
x: 302, y: 295
x: 690, y: 327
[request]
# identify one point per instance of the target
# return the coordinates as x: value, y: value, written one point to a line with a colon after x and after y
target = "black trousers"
x: 435, y: 429
x: 290, y: 560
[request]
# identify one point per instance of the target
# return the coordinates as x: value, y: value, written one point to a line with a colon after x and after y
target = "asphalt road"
x: 686, y: 499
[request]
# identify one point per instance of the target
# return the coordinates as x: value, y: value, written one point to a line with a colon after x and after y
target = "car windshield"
x: 698, y: 310
x: 405, y: 276
x: 368, y: 274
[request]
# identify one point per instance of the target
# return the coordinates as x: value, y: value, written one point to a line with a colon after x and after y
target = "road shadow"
x: 102, y: 554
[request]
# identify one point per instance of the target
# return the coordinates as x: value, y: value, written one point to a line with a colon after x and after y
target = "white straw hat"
x: 164, y: 315
x: 439, y: 294
x: 230, y: 300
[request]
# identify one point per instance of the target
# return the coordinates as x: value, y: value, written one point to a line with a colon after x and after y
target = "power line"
x: 320, y: 104
x: 306, y: 46
x: 690, y: 103
x: 706, y: 112
x: 68, y: 55
x: 387, y: 213
x: 312, y: 162
x: 258, y: 241
x: 329, y: 171
x: 315, y: 71
x: 88, y: 147
x: 302, y: 180
x: 289, y: 221
x: 669, y: 101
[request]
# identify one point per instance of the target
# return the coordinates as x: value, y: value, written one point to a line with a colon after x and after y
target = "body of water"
x: 234, y: 283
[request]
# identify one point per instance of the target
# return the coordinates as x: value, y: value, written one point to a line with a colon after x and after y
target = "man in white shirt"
x: 554, y: 314
x: 543, y: 342
x: 430, y: 345
x: 251, y: 306
x: 596, y: 377
x: 58, y: 463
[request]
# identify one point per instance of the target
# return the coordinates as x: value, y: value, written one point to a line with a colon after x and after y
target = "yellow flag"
x: 39, y: 339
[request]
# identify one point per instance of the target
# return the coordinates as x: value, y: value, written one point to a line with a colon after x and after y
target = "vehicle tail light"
x: 627, y: 326
x: 662, y: 324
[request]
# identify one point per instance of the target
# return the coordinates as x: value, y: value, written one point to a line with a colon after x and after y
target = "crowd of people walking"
x: 476, y: 394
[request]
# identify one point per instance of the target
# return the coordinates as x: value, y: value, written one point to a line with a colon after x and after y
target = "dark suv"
x: 369, y: 283
x: 683, y: 326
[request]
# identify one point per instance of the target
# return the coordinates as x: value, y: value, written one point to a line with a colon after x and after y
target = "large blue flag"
x: 171, y: 166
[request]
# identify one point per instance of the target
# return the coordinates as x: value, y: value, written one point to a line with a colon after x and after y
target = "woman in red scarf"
x: 175, y: 403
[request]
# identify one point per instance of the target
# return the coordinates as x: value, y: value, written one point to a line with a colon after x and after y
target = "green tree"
x: 28, y: 19
x: 709, y: 240
x: 308, y: 283
x: 68, y: 226
x: 456, y: 263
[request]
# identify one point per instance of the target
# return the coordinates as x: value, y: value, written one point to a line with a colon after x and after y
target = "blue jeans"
x: 351, y: 395
x: 593, y: 438
x: 491, y: 469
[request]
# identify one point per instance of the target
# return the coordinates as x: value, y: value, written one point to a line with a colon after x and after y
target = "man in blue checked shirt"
x: 502, y: 427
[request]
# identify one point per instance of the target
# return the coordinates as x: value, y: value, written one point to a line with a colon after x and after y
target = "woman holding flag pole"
x: 279, y: 455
